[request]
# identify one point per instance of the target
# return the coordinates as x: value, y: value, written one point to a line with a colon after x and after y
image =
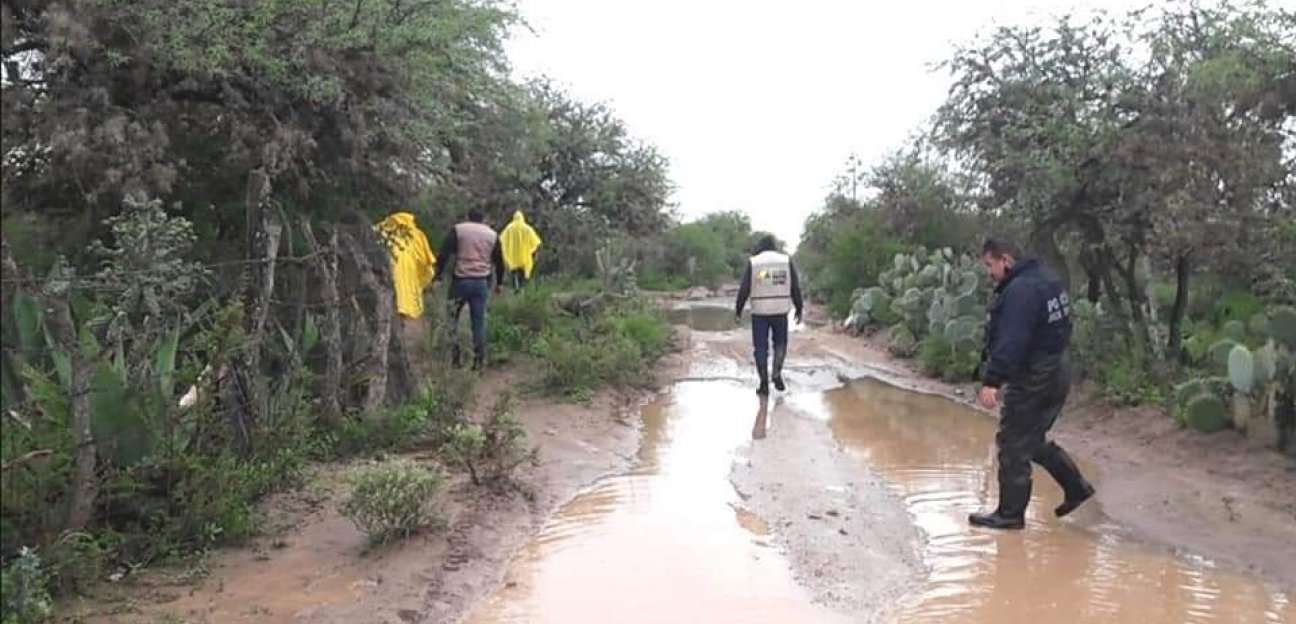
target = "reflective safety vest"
x: 771, y: 287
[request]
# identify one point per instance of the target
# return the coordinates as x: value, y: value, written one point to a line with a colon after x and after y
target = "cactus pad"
x: 1241, y: 369
x: 1206, y: 413
x: 1235, y: 331
x: 1282, y: 325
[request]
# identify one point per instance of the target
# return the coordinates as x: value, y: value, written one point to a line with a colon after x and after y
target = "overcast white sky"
x: 758, y: 103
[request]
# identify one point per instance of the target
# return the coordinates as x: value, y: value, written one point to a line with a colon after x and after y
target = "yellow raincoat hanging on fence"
x: 520, y: 242
x: 412, y: 261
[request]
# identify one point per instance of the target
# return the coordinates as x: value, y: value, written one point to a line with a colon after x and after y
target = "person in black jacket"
x: 1027, y: 332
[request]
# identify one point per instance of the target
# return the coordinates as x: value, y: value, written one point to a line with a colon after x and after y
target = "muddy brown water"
x: 708, y: 318
x: 714, y: 317
x: 668, y: 542
x: 671, y: 541
x: 937, y: 455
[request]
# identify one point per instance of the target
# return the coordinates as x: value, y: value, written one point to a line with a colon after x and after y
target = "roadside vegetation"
x: 1148, y: 158
x: 196, y: 308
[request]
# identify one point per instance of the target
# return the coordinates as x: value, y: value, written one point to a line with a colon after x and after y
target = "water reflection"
x: 762, y: 419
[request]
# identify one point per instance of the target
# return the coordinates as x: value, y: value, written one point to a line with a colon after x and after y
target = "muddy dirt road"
x: 842, y: 500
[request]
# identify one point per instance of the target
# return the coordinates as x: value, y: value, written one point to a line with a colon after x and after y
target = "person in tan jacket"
x: 477, y: 256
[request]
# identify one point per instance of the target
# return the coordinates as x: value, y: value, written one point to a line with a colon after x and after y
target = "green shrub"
x: 1237, y: 306
x: 698, y: 253
x: 1127, y: 380
x: 214, y: 502
x: 903, y: 343
x: 936, y: 353
x: 655, y: 279
x: 530, y: 310
x: 493, y: 451
x: 75, y: 563
x: 422, y: 421
x: 24, y: 596
x: 940, y: 359
x: 576, y: 367
x: 392, y: 499
x: 648, y: 330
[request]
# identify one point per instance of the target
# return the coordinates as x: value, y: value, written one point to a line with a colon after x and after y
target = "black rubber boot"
x: 780, y: 354
x: 762, y: 372
x: 479, y: 361
x: 997, y: 521
x: 456, y: 356
x: 1011, y: 514
x: 1076, y: 490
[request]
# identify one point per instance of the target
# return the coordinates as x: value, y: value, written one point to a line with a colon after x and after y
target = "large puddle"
x: 938, y: 456
x: 670, y: 541
x: 714, y: 317
x: 708, y: 317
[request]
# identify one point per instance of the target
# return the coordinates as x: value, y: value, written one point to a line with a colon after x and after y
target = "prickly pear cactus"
x: 969, y: 282
x: 1206, y: 413
x: 1185, y: 392
x: 1266, y: 364
x: 903, y: 342
x: 1241, y: 369
x: 927, y: 291
x: 1235, y: 331
x: 1282, y: 325
x: 965, y: 305
x: 1259, y: 328
x: 939, y: 312
x: 1219, y: 353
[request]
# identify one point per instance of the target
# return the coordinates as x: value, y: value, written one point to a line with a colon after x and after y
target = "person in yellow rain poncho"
x: 520, y: 243
x: 412, y: 261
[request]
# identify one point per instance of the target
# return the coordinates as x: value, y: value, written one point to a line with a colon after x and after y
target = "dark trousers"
x: 518, y: 279
x: 475, y: 293
x: 763, y: 326
x: 1030, y: 408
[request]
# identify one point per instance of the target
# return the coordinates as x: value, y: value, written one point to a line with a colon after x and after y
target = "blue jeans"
x: 474, y: 292
x: 762, y: 327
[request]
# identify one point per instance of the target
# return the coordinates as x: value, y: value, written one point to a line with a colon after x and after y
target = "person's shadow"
x: 762, y: 418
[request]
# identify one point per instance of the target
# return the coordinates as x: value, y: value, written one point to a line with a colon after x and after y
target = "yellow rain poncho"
x: 412, y: 261
x: 519, y: 242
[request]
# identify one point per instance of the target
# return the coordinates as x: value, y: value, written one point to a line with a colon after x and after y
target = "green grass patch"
x: 582, y: 340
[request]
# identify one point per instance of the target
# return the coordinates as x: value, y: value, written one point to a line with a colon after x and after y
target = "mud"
x: 847, y: 537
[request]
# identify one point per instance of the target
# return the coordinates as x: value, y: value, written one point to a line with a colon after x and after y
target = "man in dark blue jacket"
x: 1027, y: 332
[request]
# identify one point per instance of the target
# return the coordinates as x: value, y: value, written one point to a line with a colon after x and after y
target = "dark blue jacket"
x: 1031, y: 315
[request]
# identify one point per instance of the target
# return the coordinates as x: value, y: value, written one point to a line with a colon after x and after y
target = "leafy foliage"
x: 24, y: 598
x: 583, y: 336
x: 392, y: 499
x: 493, y: 451
x: 156, y: 153
x: 1146, y: 157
